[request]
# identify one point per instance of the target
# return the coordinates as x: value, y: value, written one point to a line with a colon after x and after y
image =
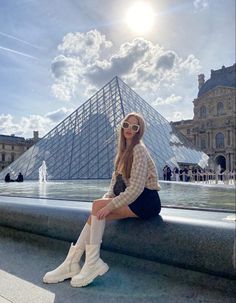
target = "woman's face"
x: 128, y: 132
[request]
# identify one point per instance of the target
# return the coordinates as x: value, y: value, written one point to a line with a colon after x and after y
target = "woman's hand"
x: 103, y: 213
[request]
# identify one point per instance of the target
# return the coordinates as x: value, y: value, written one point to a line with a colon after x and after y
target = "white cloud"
x: 79, y: 52
x: 65, y: 71
x: 169, y: 100
x: 147, y: 67
x: 85, y: 46
x: 34, y: 122
x: 27, y: 125
x: 178, y: 116
x: 59, y: 114
x: 6, y: 124
x: 150, y: 69
x: 191, y: 65
x: 201, y: 4
x: 175, y: 116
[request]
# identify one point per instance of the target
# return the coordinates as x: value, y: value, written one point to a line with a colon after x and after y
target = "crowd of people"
x: 19, y: 178
x: 197, y: 174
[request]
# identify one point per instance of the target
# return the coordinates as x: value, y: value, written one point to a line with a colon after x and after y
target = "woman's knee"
x: 97, y: 205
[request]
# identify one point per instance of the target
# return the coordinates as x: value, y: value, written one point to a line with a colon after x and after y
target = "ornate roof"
x: 226, y: 76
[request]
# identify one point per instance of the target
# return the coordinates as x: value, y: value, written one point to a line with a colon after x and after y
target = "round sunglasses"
x: 133, y: 127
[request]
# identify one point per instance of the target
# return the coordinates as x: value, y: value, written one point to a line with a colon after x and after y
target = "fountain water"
x: 218, y: 169
x: 43, y: 172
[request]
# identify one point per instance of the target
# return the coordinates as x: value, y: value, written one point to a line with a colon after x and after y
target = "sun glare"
x: 140, y: 17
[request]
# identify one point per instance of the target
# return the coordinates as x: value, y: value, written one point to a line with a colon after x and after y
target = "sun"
x: 140, y: 17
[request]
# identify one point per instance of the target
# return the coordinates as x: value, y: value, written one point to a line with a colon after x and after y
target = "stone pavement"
x: 25, y: 257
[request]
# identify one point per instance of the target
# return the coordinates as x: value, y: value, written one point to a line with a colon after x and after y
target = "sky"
x: 55, y: 54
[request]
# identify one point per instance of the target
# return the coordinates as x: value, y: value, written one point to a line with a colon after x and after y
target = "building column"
x: 209, y: 140
x: 197, y: 141
x: 233, y: 164
x: 230, y: 167
x: 212, y: 140
x: 227, y: 156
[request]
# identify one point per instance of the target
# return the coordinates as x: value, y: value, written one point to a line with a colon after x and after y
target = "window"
x: 203, y: 143
x: 220, y: 140
x: 12, y: 157
x: 3, y: 146
x: 12, y: 147
x: 220, y: 108
x: 188, y: 131
x: 3, y: 157
x: 203, y: 112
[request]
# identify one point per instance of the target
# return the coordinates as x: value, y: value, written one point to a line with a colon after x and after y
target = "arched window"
x: 220, y: 140
x: 203, y: 112
x: 220, y: 108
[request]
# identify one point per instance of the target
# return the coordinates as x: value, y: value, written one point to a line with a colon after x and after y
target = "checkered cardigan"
x: 143, y: 174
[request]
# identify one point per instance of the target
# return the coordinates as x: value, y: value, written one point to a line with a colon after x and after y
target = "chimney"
x: 201, y: 80
x: 36, y: 135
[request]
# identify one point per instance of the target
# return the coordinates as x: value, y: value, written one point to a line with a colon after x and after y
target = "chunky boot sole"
x: 60, y: 278
x: 99, y: 272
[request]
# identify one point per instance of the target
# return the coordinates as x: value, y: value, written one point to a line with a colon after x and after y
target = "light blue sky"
x: 55, y: 54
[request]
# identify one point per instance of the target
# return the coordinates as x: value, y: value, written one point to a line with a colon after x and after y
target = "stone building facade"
x: 213, y: 126
x: 12, y: 147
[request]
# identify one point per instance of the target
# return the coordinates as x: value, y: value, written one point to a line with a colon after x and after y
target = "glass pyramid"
x: 83, y: 145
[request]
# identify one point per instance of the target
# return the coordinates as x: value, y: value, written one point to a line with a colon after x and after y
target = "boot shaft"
x: 92, y: 253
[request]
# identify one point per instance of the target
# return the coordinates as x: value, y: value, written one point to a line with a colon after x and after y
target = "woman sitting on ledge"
x: 132, y: 194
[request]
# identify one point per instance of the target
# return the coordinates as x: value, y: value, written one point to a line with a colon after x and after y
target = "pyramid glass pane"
x: 83, y: 145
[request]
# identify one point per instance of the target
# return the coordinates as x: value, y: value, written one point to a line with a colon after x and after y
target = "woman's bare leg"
x: 120, y: 213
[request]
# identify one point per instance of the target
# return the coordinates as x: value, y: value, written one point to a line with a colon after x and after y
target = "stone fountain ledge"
x: 197, y: 240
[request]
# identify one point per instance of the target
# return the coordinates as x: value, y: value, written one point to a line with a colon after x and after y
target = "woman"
x: 132, y: 194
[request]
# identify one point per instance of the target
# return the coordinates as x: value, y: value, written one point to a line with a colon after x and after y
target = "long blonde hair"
x: 124, y: 154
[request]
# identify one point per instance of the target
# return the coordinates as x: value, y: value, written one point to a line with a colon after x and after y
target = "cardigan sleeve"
x: 137, y: 180
x: 110, y: 193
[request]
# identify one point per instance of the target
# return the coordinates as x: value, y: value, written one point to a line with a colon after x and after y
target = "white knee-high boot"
x: 70, y: 267
x: 84, y: 237
x: 93, y: 266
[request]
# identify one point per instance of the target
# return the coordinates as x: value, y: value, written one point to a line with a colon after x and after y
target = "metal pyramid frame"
x: 83, y: 145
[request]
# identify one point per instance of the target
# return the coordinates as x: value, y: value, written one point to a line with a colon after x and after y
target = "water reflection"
x: 172, y: 194
x: 42, y: 189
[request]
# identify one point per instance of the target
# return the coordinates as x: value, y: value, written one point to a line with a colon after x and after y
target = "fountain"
x: 218, y: 171
x: 43, y: 172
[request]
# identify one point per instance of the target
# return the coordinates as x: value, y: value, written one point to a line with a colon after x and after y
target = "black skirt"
x: 147, y: 205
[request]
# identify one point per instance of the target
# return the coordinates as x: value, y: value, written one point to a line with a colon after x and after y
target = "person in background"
x: 165, y: 172
x: 185, y: 173
x: 168, y: 173
x: 181, y: 175
x: 8, y: 178
x: 176, y: 173
x: 20, y: 178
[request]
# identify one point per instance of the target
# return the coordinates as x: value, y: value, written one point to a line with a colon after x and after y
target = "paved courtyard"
x: 24, y: 258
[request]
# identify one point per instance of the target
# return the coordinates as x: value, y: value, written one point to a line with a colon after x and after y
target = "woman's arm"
x: 138, y: 178
x: 110, y: 193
